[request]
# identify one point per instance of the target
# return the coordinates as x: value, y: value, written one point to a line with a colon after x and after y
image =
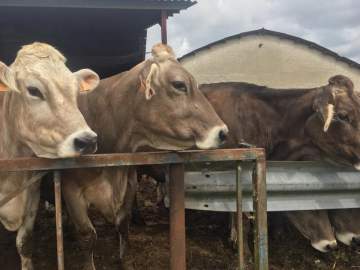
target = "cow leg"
x: 123, y: 217
x: 346, y: 225
x: 78, y: 211
x: 25, y: 232
x: 315, y: 226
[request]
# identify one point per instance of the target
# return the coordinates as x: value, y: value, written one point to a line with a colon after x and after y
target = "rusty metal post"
x: 58, y: 214
x: 260, y: 213
x: 163, y: 26
x: 177, y: 218
x: 239, y: 214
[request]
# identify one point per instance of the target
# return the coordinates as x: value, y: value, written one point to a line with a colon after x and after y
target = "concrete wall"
x: 267, y: 60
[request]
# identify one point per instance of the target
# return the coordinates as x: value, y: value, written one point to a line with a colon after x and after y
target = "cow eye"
x: 343, y: 117
x: 35, y: 92
x: 180, y: 86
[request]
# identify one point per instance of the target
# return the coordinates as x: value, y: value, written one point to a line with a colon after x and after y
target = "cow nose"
x: 223, y: 133
x: 332, y: 246
x: 356, y: 241
x: 86, y: 144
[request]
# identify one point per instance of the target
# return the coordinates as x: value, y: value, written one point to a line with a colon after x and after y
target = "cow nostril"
x: 330, y: 247
x: 222, y: 136
x: 356, y: 241
x: 85, y: 144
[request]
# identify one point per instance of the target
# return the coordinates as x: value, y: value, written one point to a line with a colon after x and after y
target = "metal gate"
x: 176, y: 160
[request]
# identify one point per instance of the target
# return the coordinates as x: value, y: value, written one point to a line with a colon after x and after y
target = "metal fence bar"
x: 259, y: 201
x: 177, y: 218
x: 129, y: 159
x: 240, y: 233
x: 58, y: 216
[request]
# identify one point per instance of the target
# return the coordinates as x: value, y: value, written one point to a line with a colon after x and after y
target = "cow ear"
x: 147, y: 84
x: 7, y: 79
x: 324, y: 104
x: 88, y: 79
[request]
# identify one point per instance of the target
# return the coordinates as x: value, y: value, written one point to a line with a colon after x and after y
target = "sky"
x: 334, y: 24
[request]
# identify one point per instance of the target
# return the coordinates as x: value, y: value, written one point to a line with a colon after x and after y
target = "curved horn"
x: 328, y: 116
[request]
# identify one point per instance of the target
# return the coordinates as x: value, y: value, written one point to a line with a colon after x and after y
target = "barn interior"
x: 108, y: 36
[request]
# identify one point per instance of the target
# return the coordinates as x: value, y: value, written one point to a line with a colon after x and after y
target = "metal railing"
x: 176, y: 160
x: 290, y: 185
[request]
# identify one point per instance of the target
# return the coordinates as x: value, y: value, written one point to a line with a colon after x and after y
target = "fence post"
x: 58, y: 216
x: 177, y: 218
x: 163, y: 25
x: 240, y: 233
x: 260, y: 213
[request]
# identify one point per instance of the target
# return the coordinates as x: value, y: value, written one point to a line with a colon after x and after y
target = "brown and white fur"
x: 39, y: 117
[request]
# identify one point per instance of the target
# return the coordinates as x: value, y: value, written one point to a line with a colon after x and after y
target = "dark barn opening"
x: 108, y: 36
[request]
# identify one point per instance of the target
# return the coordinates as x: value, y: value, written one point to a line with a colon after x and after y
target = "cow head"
x: 335, y: 127
x: 40, y: 107
x: 171, y: 110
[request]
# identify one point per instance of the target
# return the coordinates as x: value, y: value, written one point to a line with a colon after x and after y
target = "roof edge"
x: 104, y: 4
x: 263, y: 31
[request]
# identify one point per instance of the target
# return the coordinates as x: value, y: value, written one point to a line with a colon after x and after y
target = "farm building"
x: 268, y: 58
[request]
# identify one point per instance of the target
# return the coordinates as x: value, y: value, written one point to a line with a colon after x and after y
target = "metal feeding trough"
x: 290, y: 186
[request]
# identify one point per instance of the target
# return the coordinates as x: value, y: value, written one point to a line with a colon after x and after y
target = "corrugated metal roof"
x: 280, y: 35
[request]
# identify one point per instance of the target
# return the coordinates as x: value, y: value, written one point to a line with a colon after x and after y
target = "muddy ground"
x: 207, y: 245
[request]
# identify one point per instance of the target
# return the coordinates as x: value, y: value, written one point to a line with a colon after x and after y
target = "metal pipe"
x: 58, y: 215
x: 240, y: 233
x: 177, y: 218
x: 164, y: 26
x: 260, y: 213
x: 129, y: 159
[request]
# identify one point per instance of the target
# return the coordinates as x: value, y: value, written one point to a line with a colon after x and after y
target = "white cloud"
x: 333, y: 24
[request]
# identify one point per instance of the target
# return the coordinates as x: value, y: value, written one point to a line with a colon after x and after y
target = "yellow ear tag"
x: 3, y: 87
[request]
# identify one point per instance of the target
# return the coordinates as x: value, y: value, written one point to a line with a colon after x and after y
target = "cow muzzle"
x: 357, y: 166
x: 214, y: 138
x: 79, y: 143
x: 325, y: 245
x: 349, y: 238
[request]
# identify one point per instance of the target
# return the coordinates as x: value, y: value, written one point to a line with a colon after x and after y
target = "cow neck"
x: 10, y: 145
x: 296, y: 107
x: 112, y: 107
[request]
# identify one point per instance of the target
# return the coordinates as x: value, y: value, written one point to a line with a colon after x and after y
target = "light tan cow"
x: 39, y: 116
x: 158, y: 104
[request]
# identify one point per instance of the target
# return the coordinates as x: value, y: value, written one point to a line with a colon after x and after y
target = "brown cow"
x: 158, y: 104
x: 297, y: 124
x: 39, y: 116
x: 326, y: 125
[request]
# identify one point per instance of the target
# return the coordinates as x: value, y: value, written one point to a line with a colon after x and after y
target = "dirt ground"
x: 207, y: 244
